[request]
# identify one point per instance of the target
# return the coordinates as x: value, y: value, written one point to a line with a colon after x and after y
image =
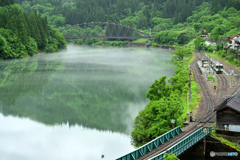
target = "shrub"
x: 235, y: 61
x: 210, y: 77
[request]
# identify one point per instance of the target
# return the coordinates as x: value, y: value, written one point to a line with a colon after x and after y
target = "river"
x: 77, y: 104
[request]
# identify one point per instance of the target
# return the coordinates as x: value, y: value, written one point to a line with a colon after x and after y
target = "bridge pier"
x: 204, y: 146
x: 148, y: 44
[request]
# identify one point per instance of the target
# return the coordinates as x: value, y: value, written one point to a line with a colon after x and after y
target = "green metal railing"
x: 184, y: 144
x: 151, y: 145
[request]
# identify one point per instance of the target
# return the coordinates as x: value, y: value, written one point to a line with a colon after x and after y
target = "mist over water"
x: 79, y: 103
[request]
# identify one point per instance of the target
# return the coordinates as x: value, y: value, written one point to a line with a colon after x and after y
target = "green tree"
x: 183, y: 38
x: 159, y: 89
x: 180, y: 53
x: 199, y: 43
x: 156, y: 118
x: 218, y: 31
x: 4, y: 48
x: 6, y: 2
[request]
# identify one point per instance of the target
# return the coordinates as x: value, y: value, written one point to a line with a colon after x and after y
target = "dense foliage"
x: 23, y: 34
x: 173, y: 22
x: 141, y: 13
x: 225, y: 22
x: 167, y: 102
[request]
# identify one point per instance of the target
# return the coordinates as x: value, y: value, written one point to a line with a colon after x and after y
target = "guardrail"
x: 184, y: 144
x: 152, y: 144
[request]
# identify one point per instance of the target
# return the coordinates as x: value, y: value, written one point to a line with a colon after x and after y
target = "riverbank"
x: 106, y: 43
x: 167, y: 102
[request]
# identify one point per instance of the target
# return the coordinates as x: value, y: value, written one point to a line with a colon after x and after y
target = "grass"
x: 191, y: 44
x: 217, y: 136
x: 228, y: 143
x: 195, y: 90
x: 210, y: 77
x: 211, y: 80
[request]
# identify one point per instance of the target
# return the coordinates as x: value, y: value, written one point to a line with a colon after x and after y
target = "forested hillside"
x: 172, y: 21
x: 23, y: 34
x: 222, y: 24
x: 142, y: 12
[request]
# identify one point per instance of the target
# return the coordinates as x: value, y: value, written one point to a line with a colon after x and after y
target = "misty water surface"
x: 75, y: 104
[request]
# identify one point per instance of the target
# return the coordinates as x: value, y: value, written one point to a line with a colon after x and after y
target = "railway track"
x: 209, y: 107
x: 207, y: 110
x: 224, y: 86
x: 204, y: 118
x: 236, y: 79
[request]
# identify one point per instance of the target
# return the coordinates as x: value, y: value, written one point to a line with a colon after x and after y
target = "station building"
x: 228, y: 114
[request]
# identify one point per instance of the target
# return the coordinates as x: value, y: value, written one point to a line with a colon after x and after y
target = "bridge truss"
x: 102, y: 30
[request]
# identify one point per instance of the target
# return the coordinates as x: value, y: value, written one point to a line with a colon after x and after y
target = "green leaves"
x: 12, y: 45
x: 218, y: 32
x: 6, y: 2
x: 166, y: 37
x: 23, y: 34
x: 159, y: 89
x: 156, y: 118
x: 170, y: 156
x: 180, y: 53
x: 199, y: 43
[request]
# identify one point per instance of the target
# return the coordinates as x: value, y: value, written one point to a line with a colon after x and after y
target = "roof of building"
x: 237, y: 39
x: 205, y: 35
x: 233, y: 103
x: 233, y: 36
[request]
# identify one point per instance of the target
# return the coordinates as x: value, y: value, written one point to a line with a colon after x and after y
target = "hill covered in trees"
x: 172, y: 21
x: 23, y: 34
x: 143, y: 12
x: 224, y: 23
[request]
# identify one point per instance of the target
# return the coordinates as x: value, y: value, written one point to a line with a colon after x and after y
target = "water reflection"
x: 23, y: 139
x: 96, y: 88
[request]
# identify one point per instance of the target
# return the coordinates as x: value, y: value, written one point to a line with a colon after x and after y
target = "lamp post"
x: 173, y: 122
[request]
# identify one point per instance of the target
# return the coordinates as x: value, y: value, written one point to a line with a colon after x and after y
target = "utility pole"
x: 232, y: 73
x: 214, y: 84
x: 187, y: 107
x: 190, y: 84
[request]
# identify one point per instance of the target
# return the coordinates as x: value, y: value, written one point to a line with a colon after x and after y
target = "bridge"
x: 102, y: 30
x: 175, y: 141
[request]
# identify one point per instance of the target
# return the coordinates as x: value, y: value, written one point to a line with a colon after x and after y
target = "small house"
x: 234, y: 42
x: 228, y: 114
